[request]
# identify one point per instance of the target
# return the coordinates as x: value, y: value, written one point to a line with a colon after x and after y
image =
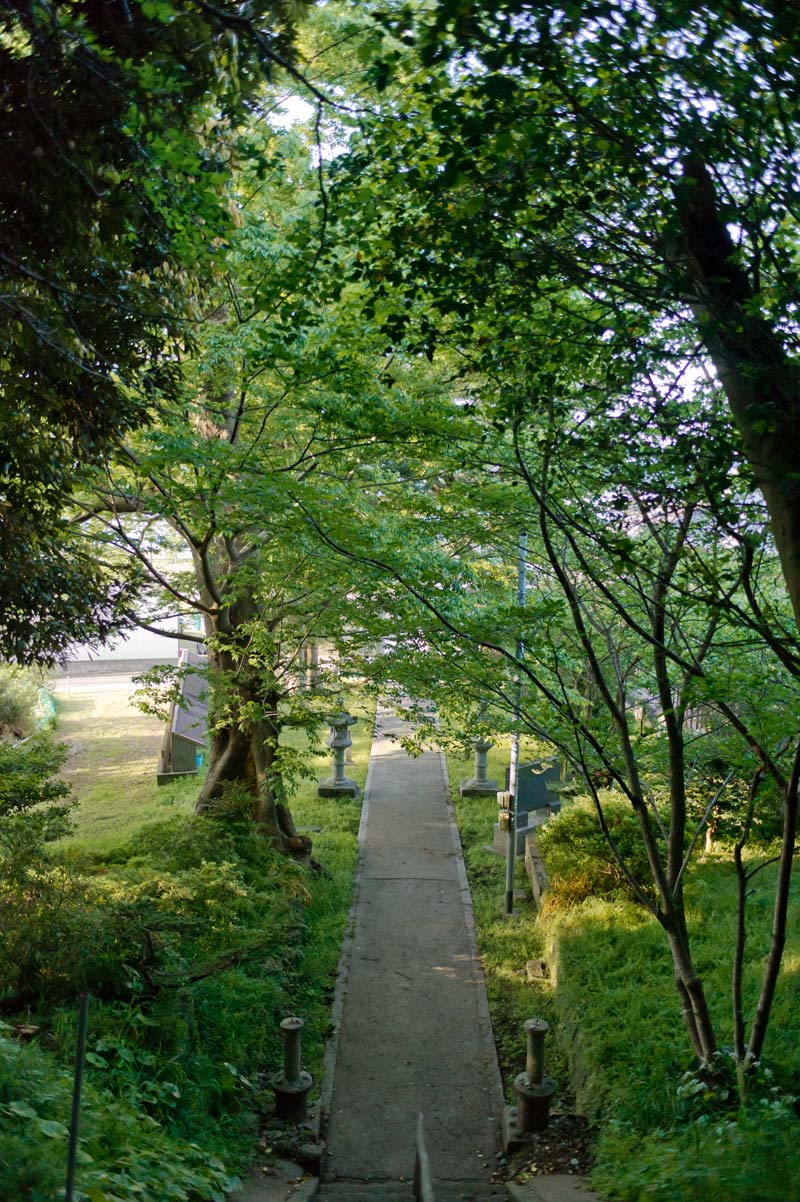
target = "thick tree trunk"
x: 243, y: 752
x: 245, y: 757
x: 761, y: 385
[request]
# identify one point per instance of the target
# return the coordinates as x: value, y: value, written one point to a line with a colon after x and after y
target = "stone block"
x: 343, y: 788
x: 474, y: 788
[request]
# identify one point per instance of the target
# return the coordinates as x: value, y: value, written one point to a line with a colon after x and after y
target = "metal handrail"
x: 423, y: 1181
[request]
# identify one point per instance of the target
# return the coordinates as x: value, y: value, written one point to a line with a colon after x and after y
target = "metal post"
x: 513, y: 771
x: 534, y: 1090
x: 80, y: 1051
x: 291, y: 1087
x: 536, y: 1029
x: 291, y: 1028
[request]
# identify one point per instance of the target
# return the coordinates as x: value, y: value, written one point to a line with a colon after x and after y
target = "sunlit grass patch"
x: 617, y: 1035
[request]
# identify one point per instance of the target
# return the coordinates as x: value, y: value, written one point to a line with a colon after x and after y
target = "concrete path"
x: 414, y: 1032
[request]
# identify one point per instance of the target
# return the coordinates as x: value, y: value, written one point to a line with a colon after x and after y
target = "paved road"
x: 101, y: 682
x: 414, y: 1030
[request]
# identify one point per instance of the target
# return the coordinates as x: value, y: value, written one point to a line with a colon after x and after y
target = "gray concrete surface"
x: 413, y: 1034
x: 278, y: 1181
x: 560, y: 1187
x: 105, y: 682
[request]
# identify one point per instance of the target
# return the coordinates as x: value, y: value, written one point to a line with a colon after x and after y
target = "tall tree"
x: 116, y: 141
x: 268, y: 428
x: 645, y: 155
x: 659, y: 639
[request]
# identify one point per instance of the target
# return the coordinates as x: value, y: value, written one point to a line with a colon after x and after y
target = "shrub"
x: 34, y: 806
x: 19, y: 695
x: 195, y: 937
x: 124, y: 1153
x: 61, y: 935
x: 580, y: 862
x: 748, y: 1156
x: 43, y: 910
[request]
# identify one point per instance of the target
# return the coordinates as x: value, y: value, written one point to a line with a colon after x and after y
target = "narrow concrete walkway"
x: 414, y: 1032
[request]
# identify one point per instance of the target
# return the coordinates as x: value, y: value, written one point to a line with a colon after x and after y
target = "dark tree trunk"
x: 243, y: 752
x: 761, y: 385
x: 245, y: 757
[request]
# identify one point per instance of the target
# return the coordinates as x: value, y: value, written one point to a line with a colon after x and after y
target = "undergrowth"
x: 617, y: 1038
x: 194, y: 938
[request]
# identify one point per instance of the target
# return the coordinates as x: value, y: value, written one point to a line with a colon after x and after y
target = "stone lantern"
x: 338, y: 785
x: 478, y: 784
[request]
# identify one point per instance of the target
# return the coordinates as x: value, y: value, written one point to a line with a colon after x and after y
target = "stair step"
x: 400, y: 1191
x: 366, y: 1191
x: 469, y: 1191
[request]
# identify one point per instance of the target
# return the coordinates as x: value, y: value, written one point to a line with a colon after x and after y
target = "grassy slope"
x: 113, y: 752
x: 111, y: 766
x: 613, y: 974
x: 189, y: 1035
x: 618, y: 1034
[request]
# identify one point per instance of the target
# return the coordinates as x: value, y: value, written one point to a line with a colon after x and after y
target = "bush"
x: 45, y: 914
x: 195, y: 938
x: 19, y: 695
x: 580, y: 862
x: 61, y: 935
x: 34, y: 805
x: 124, y: 1153
x: 189, y: 939
x: 749, y: 1156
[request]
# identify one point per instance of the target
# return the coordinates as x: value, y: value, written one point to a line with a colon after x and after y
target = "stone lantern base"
x: 478, y: 788
x: 338, y: 788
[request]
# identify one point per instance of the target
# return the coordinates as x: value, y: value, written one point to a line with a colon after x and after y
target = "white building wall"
x: 136, y: 647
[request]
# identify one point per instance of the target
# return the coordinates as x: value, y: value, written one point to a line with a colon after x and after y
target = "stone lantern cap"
x: 340, y: 723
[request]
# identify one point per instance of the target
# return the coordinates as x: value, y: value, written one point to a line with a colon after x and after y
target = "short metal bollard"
x: 291, y: 1087
x: 534, y: 1090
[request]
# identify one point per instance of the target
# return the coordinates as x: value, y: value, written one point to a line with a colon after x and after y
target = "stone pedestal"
x: 339, y: 785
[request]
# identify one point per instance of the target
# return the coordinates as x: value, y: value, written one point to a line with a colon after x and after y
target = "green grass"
x: 618, y: 1041
x: 113, y: 756
x: 113, y: 752
x: 505, y: 943
x: 179, y: 1065
x: 613, y: 976
x: 628, y: 1050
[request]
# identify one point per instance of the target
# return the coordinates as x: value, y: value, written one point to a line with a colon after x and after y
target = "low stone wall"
x: 110, y: 667
x: 534, y: 866
x: 568, y: 1027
